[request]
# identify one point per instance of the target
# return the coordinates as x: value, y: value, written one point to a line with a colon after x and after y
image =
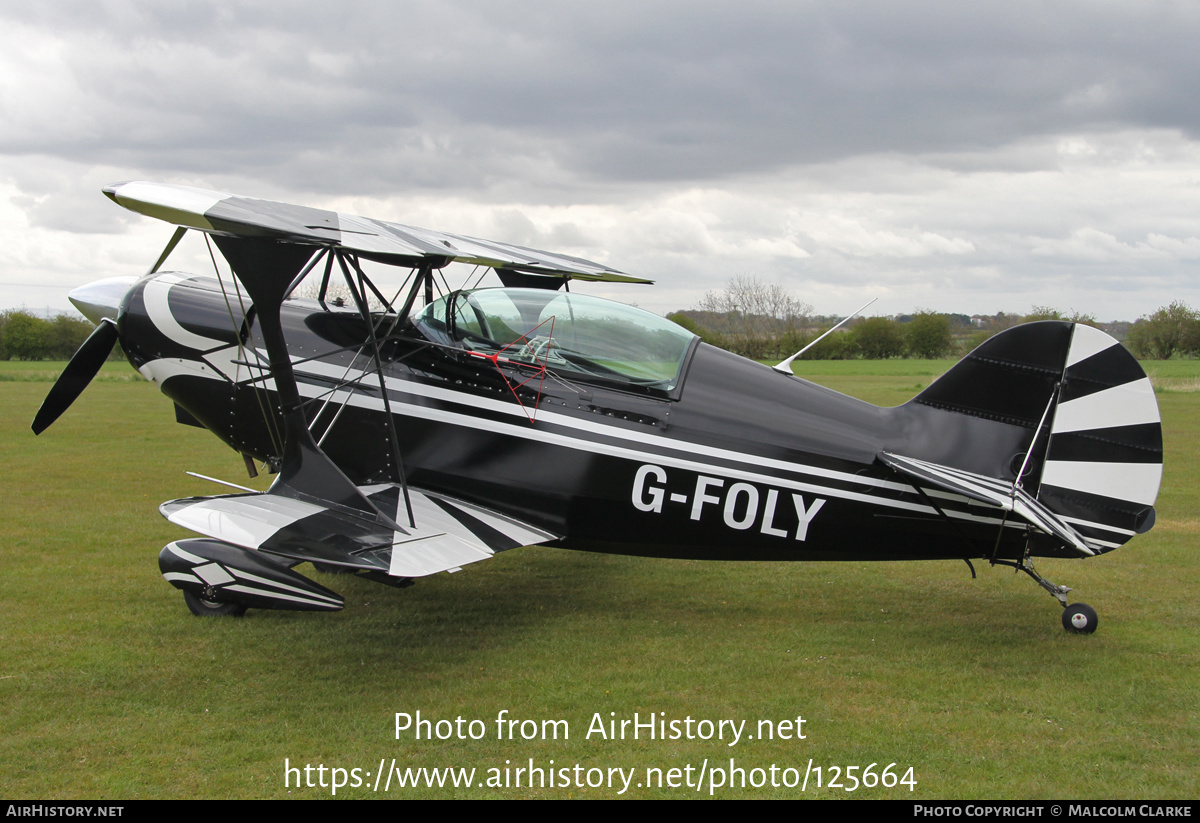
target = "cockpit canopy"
x: 570, y: 333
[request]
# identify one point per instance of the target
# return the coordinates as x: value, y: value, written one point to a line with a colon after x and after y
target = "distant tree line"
x: 925, y: 335
x: 763, y: 322
x: 25, y: 336
x: 1172, y: 331
x: 750, y: 318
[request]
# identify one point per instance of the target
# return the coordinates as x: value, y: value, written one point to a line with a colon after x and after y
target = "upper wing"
x: 450, y: 534
x: 213, y: 211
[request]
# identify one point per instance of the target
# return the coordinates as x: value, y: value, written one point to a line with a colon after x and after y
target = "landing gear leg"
x: 1059, y: 592
x: 1079, y: 618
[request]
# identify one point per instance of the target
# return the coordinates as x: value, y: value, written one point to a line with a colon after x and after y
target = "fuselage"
x: 732, y: 460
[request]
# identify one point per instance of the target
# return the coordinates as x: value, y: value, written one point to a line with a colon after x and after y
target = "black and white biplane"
x: 419, y: 432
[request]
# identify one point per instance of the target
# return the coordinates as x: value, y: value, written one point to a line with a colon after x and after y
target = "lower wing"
x: 450, y: 534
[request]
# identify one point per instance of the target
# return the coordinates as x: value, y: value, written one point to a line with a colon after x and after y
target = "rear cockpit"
x: 581, y: 336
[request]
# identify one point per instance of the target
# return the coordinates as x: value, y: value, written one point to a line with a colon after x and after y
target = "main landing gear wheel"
x: 1079, y: 618
x: 203, y: 606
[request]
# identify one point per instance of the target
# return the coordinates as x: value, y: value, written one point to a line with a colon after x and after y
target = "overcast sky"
x: 967, y: 157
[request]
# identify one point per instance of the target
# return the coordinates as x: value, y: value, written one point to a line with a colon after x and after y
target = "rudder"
x: 1103, y: 463
x: 1095, y: 455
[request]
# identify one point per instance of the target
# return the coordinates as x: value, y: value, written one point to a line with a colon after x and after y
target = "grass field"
x: 112, y: 690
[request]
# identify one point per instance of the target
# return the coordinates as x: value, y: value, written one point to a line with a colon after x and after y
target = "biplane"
x: 417, y: 428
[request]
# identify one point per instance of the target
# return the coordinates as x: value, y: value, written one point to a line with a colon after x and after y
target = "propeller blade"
x: 76, y: 376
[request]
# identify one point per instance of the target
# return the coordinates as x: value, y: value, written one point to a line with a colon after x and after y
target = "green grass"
x: 1174, y: 375
x: 112, y: 690
x: 46, y: 371
x: 883, y: 382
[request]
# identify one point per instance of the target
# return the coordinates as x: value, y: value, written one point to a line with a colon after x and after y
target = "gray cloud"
x: 597, y: 92
x: 963, y: 150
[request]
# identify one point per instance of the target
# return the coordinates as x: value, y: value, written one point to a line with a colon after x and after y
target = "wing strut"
x: 360, y: 299
x: 423, y: 280
x: 170, y: 247
x: 266, y: 268
x: 312, y: 264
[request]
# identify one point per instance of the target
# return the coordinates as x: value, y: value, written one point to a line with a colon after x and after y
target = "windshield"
x: 568, y: 332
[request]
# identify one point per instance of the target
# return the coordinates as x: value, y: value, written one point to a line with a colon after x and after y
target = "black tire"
x: 204, y: 607
x: 1079, y: 618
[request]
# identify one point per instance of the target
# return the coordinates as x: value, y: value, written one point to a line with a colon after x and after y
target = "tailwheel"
x: 1079, y: 618
x: 206, y: 605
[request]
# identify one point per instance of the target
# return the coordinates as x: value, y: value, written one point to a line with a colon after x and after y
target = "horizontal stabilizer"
x: 449, y: 533
x: 991, y: 491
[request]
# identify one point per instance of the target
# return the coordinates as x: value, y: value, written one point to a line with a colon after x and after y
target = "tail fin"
x: 1092, y: 448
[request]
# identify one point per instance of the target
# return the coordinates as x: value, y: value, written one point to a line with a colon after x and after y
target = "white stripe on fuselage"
x: 161, y: 370
x: 329, y: 371
x: 525, y: 431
